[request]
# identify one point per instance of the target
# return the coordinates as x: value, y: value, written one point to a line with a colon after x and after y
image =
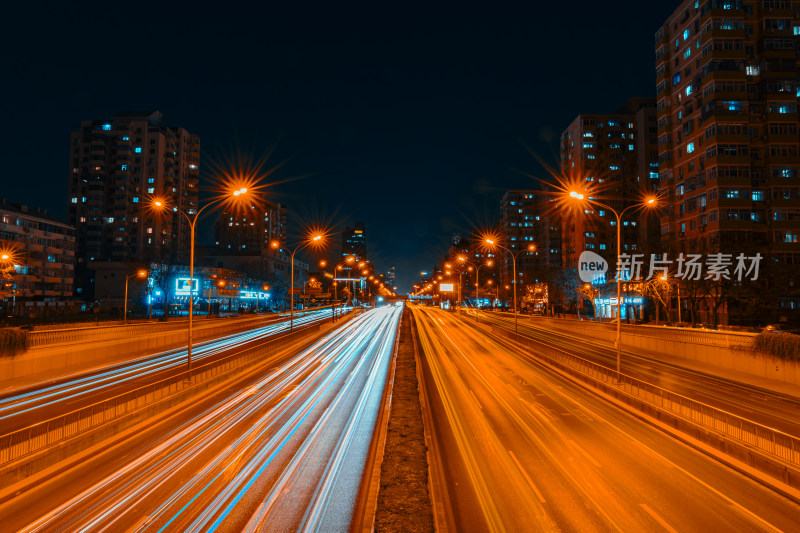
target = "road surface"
x: 524, y: 449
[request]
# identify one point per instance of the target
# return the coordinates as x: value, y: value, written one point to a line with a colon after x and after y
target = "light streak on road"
x: 72, y: 388
x: 772, y: 409
x: 284, y: 452
x: 526, y: 449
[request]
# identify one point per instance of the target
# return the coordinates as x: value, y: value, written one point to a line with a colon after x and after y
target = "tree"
x: 658, y: 289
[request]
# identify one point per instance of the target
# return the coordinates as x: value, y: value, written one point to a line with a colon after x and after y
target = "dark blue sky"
x: 412, y: 119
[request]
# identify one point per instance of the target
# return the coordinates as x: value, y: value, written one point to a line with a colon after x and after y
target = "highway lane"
x: 22, y: 408
x: 526, y: 450
x: 283, y: 451
x: 773, y: 409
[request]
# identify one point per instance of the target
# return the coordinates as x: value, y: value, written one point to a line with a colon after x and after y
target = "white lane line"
x: 476, y: 399
x: 583, y: 452
x: 527, y: 477
x: 658, y: 519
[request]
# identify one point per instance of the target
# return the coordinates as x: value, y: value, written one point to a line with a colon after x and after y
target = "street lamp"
x: 530, y: 248
x: 161, y: 204
x: 312, y: 239
x: 139, y: 274
x: 340, y: 266
x: 647, y: 203
x: 477, y: 278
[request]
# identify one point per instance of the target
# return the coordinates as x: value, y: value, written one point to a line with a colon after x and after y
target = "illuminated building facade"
x: 615, y: 157
x: 354, y: 241
x: 44, y: 262
x: 526, y: 218
x: 727, y: 90
x: 251, y: 229
x: 116, y: 166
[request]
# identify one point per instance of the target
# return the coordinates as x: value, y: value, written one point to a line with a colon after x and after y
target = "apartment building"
x: 117, y: 166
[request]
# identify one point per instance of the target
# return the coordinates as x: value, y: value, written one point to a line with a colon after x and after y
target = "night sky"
x: 413, y: 119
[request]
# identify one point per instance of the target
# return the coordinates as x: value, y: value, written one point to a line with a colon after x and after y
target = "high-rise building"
x: 116, y: 166
x: 615, y: 158
x: 391, y: 278
x: 354, y: 241
x: 727, y: 90
x: 252, y: 229
x: 44, y: 256
x: 526, y: 218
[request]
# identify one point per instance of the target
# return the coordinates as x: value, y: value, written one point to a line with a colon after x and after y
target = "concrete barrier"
x: 727, y: 351
x: 71, y: 358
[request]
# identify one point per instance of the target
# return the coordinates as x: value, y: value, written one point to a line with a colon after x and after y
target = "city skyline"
x: 434, y: 123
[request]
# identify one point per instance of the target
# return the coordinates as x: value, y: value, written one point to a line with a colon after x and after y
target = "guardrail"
x: 104, y: 333
x: 709, y: 338
x: 777, y: 443
x: 43, y: 434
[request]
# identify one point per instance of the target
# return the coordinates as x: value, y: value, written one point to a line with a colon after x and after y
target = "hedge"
x: 12, y: 341
x: 783, y: 345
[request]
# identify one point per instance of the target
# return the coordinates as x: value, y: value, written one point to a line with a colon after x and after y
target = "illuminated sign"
x: 253, y: 295
x: 445, y: 287
x: 182, y: 286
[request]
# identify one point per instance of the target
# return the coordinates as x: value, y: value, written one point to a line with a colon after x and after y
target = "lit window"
x: 151, y: 190
x: 631, y: 147
x: 106, y: 127
x: 685, y: 34
x: 126, y: 138
x: 135, y: 199
x: 123, y: 167
x: 688, y: 90
x: 687, y: 53
x: 138, y: 149
x: 690, y: 148
x: 613, y: 167
x: 74, y: 200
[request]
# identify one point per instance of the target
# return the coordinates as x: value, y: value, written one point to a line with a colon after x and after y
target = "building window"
x: 106, y: 127
x: 690, y: 148
x: 138, y: 150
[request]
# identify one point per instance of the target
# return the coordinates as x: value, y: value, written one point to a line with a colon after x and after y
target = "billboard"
x: 182, y: 286
x: 445, y: 287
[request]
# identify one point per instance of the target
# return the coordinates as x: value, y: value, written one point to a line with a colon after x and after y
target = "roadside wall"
x: 70, y: 358
x: 728, y: 351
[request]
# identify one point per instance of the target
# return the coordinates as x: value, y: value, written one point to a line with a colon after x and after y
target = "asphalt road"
x: 770, y: 408
x: 19, y: 409
x: 282, y: 449
x: 524, y: 449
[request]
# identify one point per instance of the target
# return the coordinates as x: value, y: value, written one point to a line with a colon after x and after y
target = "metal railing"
x: 104, y: 333
x: 38, y: 436
x: 777, y: 443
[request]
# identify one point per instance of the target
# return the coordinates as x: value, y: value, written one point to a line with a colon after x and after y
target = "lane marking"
x: 476, y: 400
x: 583, y: 452
x: 658, y: 519
x: 527, y: 477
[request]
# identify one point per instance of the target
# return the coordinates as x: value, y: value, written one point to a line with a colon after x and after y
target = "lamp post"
x: 340, y: 266
x: 139, y: 274
x: 312, y: 239
x: 477, y: 278
x: 648, y: 202
x: 238, y: 193
x: 530, y: 248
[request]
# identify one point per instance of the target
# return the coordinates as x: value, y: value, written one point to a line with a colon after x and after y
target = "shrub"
x: 12, y: 341
x: 782, y: 345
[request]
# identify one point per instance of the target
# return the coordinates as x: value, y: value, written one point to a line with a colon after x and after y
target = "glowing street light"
x: 530, y: 248
x: 139, y: 274
x: 648, y: 202
x: 313, y: 239
x: 162, y: 205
